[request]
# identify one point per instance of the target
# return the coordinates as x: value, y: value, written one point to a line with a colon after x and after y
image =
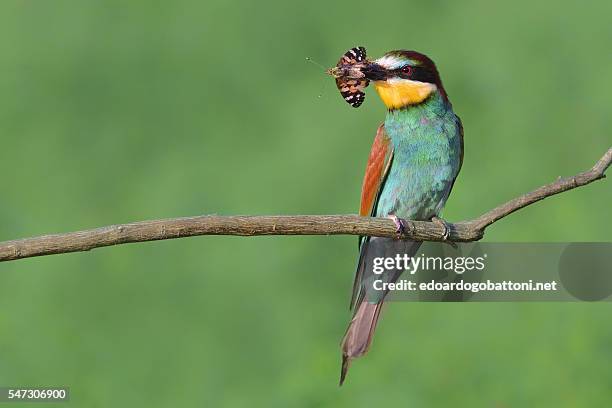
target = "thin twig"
x: 285, y: 225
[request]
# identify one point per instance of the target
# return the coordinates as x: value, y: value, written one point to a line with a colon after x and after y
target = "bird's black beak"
x: 374, y: 72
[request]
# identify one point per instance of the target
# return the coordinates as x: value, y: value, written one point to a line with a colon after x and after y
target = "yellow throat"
x: 397, y: 93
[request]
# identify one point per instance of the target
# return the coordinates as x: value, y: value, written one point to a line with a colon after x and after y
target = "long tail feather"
x: 359, y: 334
x: 346, y: 362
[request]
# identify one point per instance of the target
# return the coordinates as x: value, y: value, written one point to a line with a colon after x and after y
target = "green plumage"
x: 427, y: 144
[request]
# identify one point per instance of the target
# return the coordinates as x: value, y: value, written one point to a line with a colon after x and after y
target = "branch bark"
x: 154, y: 230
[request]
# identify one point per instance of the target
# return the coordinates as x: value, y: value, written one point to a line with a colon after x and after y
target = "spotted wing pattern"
x: 353, y: 56
x: 350, y: 88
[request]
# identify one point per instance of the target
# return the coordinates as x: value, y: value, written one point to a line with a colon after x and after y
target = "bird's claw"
x: 400, y: 225
x: 447, y: 230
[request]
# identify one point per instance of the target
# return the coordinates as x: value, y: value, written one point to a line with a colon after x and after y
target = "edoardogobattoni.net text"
x: 408, y: 285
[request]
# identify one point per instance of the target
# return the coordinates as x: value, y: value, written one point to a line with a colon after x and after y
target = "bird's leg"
x: 437, y: 220
x: 400, y: 225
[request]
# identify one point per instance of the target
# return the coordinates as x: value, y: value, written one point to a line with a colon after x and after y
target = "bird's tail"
x: 358, y: 337
x: 366, y: 301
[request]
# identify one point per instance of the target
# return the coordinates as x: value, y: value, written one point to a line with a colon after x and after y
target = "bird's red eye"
x: 407, y: 70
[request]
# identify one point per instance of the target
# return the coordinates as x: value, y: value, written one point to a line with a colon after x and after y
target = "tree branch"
x: 286, y: 225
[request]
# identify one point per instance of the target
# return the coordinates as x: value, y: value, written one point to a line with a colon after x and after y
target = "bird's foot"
x: 447, y: 230
x: 400, y: 225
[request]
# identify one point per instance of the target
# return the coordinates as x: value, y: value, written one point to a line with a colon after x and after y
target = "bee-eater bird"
x: 414, y: 161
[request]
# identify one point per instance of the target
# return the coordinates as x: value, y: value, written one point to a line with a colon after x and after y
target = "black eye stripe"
x: 417, y: 73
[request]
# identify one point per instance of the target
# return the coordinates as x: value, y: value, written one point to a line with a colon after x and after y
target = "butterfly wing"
x: 353, y: 56
x: 352, y: 89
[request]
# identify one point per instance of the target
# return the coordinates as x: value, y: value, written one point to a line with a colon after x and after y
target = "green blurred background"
x: 116, y: 111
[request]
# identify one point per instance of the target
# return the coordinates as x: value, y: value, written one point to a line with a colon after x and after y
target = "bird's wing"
x: 379, y: 162
x: 460, y: 125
